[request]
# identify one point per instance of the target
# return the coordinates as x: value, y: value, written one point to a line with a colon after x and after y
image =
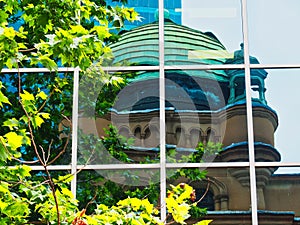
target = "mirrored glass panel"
x: 275, y: 114
x: 39, y: 98
x: 278, y: 194
x: 206, y: 116
x: 137, y: 43
x: 201, y: 32
x: 223, y: 194
x: 119, y: 117
x: 273, y: 30
x: 111, y: 186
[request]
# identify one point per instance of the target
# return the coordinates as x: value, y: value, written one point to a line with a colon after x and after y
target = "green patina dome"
x: 183, y: 46
x: 185, y: 89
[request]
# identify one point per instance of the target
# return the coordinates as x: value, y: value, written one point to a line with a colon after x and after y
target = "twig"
x: 44, y: 103
x: 40, y: 184
x: 78, y: 171
x: 165, y: 222
x: 36, y: 222
x: 25, y: 162
x: 51, y: 184
x: 173, y: 221
x: 90, y: 202
x: 207, y: 189
x: 27, y: 50
x: 49, y: 150
x: 43, y: 152
x: 66, y: 144
x: 61, y: 152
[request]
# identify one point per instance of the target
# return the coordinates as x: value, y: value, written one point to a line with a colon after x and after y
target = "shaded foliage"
x: 36, y: 112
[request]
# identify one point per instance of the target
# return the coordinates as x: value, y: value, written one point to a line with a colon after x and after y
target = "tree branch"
x: 27, y: 50
x: 207, y: 189
x: 51, y: 183
x: 44, y: 103
x: 61, y: 152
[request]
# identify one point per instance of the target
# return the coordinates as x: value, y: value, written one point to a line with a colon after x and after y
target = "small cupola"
x: 237, y: 79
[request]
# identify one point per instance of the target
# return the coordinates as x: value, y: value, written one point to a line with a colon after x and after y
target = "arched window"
x: 210, y: 135
x: 137, y: 133
x: 179, y: 135
x: 151, y: 137
x: 240, y: 88
x: 208, y: 199
x: 124, y: 132
x: 147, y: 133
x: 195, y: 136
x: 138, y: 136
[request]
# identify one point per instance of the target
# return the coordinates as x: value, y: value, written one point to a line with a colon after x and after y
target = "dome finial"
x: 242, y: 46
x: 166, y: 14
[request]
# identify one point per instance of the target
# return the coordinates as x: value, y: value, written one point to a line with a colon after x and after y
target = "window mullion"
x: 162, y: 124
x: 249, y: 115
x: 74, y: 130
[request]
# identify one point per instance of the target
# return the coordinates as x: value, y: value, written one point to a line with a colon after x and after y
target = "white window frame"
x: 163, y: 165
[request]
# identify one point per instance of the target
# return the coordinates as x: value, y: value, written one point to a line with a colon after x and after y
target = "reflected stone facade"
x: 202, y: 106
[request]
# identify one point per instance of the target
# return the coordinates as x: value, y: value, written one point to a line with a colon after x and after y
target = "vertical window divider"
x: 74, y: 130
x: 249, y: 115
x: 75, y: 122
x: 162, y: 124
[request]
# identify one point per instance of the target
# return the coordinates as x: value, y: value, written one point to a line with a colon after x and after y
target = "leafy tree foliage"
x: 71, y: 33
x: 50, y: 34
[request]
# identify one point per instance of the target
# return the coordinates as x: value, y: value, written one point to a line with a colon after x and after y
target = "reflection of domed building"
x: 201, y: 106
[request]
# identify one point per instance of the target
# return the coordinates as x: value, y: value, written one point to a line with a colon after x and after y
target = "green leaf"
x: 37, y: 121
x: 26, y: 139
x: 45, y: 115
x: 116, y: 81
x: 24, y: 171
x: 18, y: 209
x: 203, y: 222
x: 27, y: 96
x: 3, y: 151
x: 11, y: 62
x: 4, y: 187
x: 11, y: 123
x: 48, y: 62
x: 14, y: 140
x: 67, y: 192
x: 64, y: 179
x: 9, y: 33
x: 3, y: 99
x: 24, y: 118
x: 3, y: 205
x: 42, y: 95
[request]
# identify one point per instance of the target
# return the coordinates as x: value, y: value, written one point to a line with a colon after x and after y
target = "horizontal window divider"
x: 168, y: 165
x: 156, y: 68
x: 143, y: 166
x: 275, y: 66
x: 202, y: 67
x: 130, y: 68
x: 72, y: 69
x: 207, y: 165
x: 51, y: 167
x: 118, y: 166
x: 205, y: 67
x: 277, y: 164
x: 177, y: 67
x: 38, y: 70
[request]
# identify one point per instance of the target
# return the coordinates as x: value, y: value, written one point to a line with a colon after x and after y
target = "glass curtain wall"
x: 208, y: 72
x: 272, y: 34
